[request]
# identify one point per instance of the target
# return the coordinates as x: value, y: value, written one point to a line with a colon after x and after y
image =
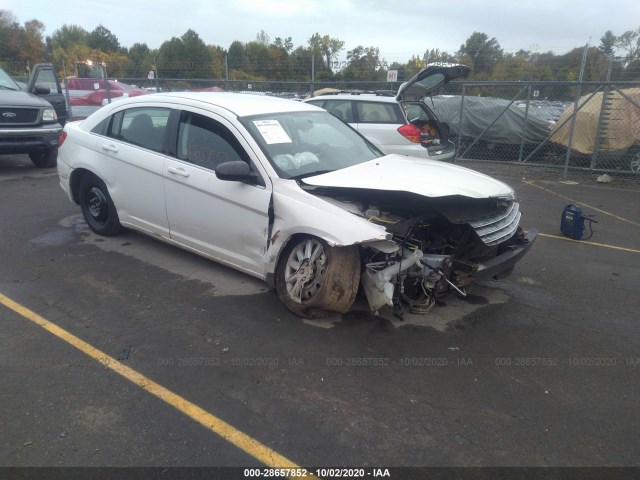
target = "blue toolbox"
x: 572, y: 223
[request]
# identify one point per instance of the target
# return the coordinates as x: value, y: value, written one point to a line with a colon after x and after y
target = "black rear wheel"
x: 98, y: 208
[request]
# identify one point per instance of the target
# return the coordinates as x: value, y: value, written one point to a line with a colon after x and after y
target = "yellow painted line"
x: 585, y: 242
x: 232, y: 435
x: 582, y: 203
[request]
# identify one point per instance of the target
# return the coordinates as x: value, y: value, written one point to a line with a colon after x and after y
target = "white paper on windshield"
x: 272, y: 131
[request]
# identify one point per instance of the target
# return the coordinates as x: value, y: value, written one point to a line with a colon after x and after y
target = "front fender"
x: 297, y: 212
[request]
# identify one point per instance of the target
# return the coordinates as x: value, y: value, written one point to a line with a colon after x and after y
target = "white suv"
x: 403, y: 123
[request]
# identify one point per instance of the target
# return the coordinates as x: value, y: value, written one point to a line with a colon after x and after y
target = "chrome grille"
x: 499, y: 227
x: 10, y: 116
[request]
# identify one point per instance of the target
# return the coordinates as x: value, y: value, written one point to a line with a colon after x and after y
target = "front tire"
x: 45, y: 159
x: 314, y: 280
x: 97, y: 207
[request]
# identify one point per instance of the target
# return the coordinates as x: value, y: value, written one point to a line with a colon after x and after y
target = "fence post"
x: 459, y: 146
x: 575, y: 113
x: 526, y: 123
x: 106, y: 84
x: 66, y: 92
x: 313, y: 72
x: 226, y: 74
x: 605, y: 97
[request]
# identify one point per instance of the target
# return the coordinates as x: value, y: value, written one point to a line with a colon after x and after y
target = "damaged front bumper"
x: 505, y: 262
x: 378, y: 282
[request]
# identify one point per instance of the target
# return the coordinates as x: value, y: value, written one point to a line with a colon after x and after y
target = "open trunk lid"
x: 429, y: 80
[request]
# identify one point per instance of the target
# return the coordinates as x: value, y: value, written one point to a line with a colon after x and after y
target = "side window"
x: 47, y: 78
x: 144, y: 127
x: 416, y: 112
x: 378, y: 112
x: 207, y: 143
x: 101, y: 128
x: 317, y: 103
x: 340, y: 109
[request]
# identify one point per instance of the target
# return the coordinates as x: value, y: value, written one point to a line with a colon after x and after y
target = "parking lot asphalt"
x: 540, y: 369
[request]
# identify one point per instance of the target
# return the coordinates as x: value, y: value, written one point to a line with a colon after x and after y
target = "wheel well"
x: 77, y: 176
x: 270, y: 278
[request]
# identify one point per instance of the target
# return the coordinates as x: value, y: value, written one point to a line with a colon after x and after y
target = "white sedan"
x: 287, y: 193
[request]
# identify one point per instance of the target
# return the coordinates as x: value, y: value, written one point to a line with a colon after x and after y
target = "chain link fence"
x: 568, y: 126
x: 579, y: 126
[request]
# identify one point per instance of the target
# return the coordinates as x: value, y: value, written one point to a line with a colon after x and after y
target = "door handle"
x: 178, y: 171
x: 110, y: 148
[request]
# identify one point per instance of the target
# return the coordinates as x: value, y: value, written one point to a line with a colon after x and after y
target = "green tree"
x: 69, y: 35
x: 33, y: 46
x: 140, y: 61
x: 608, y: 42
x: 481, y: 53
x: 186, y: 57
x: 326, y: 48
x: 236, y: 58
x: 102, y: 39
x: 363, y: 64
x: 629, y: 41
x: 262, y: 38
x: 300, y: 63
x: 9, y: 35
x: 286, y: 44
x: 217, y: 55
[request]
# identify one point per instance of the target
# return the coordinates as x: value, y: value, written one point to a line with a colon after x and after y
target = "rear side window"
x: 378, y: 112
x: 207, y: 143
x: 144, y: 127
x: 340, y: 109
x: 417, y: 112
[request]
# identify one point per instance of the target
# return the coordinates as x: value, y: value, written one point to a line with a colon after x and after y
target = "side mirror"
x: 40, y: 90
x: 235, y: 171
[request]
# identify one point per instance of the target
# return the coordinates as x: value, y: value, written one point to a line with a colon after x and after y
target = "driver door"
x: 225, y: 220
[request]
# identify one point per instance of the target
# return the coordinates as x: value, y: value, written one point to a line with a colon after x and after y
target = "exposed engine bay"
x: 442, y: 243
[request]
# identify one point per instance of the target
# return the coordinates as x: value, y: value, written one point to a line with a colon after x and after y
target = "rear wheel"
x: 45, y: 158
x: 97, y: 207
x: 315, y: 280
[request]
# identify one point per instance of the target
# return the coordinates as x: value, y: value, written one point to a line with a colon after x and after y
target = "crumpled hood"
x: 429, y: 178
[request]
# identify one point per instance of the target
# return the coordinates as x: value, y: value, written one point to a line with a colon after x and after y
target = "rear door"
x: 225, y: 220
x: 131, y: 162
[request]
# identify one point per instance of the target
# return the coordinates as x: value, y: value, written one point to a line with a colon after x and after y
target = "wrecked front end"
x: 443, y: 244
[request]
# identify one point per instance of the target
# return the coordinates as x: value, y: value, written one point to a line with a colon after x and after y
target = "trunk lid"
x: 429, y: 80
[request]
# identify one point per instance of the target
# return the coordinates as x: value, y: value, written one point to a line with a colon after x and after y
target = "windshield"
x: 7, y: 82
x: 301, y: 144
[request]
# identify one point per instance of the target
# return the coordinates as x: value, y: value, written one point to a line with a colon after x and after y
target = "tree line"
x: 189, y: 57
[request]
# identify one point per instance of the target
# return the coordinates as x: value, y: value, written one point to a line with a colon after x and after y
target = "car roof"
x: 355, y: 96
x: 240, y: 104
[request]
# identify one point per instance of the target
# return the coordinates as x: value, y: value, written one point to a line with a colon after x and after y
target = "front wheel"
x: 45, y: 159
x: 314, y: 279
x: 98, y: 208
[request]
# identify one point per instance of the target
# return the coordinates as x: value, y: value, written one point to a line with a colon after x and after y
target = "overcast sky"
x: 399, y: 28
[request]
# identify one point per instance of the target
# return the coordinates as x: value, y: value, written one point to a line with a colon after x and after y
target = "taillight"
x: 410, y: 132
x: 63, y: 137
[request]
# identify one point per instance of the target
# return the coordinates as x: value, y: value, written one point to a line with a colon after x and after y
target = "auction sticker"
x: 272, y: 131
